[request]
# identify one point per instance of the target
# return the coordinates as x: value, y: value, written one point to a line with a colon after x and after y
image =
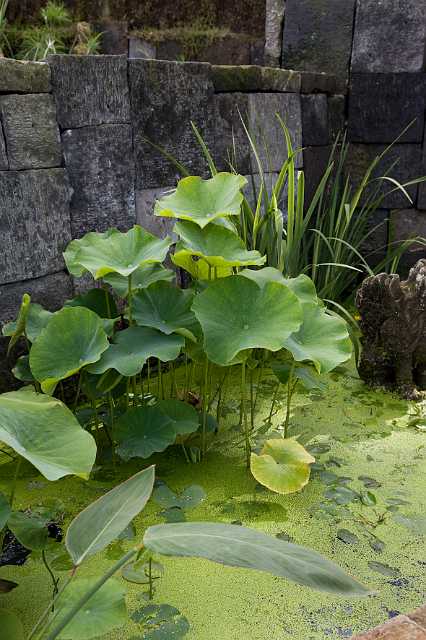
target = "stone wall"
x: 74, y: 155
x: 376, y: 48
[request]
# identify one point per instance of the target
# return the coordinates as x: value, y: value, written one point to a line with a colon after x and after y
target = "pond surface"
x: 364, y: 508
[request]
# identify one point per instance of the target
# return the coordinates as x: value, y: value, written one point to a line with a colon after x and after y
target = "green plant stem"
x: 160, y: 381
x: 108, y: 306
x: 151, y: 589
x: 111, y: 418
x: 148, y: 375
x: 91, y: 592
x: 205, y: 406
x: 130, y: 298
x: 251, y: 401
x: 15, y: 480
x: 55, y: 581
x: 274, y: 400
x: 291, y: 386
x: 49, y: 608
x: 244, y: 414
x: 77, y: 395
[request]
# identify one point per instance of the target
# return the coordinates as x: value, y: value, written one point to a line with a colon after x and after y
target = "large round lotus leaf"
x: 282, y: 466
x: 141, y: 278
x: 236, y: 314
x: 322, y: 339
x: 197, y: 267
x: 302, y: 286
x: 45, y: 432
x: 73, y: 338
x: 35, y: 321
x: 114, y: 252
x: 202, y: 201
x: 11, y: 626
x: 102, y: 613
x: 183, y: 416
x: 166, y: 308
x: 142, y: 431
x: 215, y: 246
x: 132, y: 348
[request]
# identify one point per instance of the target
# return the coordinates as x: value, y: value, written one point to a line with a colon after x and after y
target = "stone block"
x: 31, y: 131
x: 318, y: 82
x: 259, y: 113
x: 139, y: 48
x: 165, y: 98
x: 421, y: 202
x: 406, y: 224
x: 145, y: 202
x: 18, y: 76
x: 274, y: 31
x: 336, y: 116
x: 252, y: 78
x: 4, y: 163
x: 315, y: 162
x: 399, y: 628
x: 114, y: 40
x: 408, y: 167
x: 51, y: 291
x: 381, y: 105
x: 318, y: 36
x: 90, y: 90
x: 315, y: 130
x: 100, y: 166
x: 390, y: 36
x: 34, y: 223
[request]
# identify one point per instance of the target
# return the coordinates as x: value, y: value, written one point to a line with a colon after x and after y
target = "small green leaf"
x: 189, y: 498
x: 102, y: 521
x: 131, y: 348
x: 341, y: 495
x: 138, y: 572
x: 22, y: 370
x: 202, y: 201
x: 30, y: 529
x: 141, y: 278
x: 103, y: 612
x: 100, y: 301
x: 73, y: 338
x: 384, y: 569
x: 142, y: 431
x: 212, y: 250
x: 282, y: 466
x: 368, y: 498
x: 164, y: 307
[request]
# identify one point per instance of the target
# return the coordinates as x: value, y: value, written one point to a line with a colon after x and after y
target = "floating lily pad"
x: 341, y: 495
x: 189, y: 498
x: 161, y: 622
x: 384, y: 569
x: 142, y: 431
x: 164, y: 307
x: 183, y: 415
x: 347, y: 536
x: 211, y: 252
x: 202, y: 201
x: 233, y: 319
x: 131, y: 348
x: 282, y: 466
x: 114, y: 252
x: 73, y: 338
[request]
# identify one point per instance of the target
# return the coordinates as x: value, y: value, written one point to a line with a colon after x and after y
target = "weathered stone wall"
x: 74, y: 155
x: 376, y: 48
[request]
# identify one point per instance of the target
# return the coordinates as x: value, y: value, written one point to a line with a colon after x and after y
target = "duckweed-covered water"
x: 367, y: 443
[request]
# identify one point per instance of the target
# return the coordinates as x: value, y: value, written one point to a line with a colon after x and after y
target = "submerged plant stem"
x: 274, y: 400
x: 291, y: 386
x: 55, y: 581
x: 15, y: 480
x: 205, y: 407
